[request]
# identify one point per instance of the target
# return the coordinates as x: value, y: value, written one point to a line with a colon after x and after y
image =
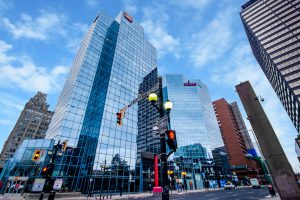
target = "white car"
x: 229, y: 186
x: 254, y: 182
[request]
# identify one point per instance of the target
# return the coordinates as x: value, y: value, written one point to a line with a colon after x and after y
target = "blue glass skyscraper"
x: 195, y: 123
x: 108, y: 69
x: 192, y: 115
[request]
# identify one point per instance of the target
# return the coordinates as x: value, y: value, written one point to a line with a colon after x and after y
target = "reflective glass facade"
x: 197, y: 131
x: 192, y: 115
x: 148, y: 140
x: 22, y: 169
x: 108, y: 69
x: 273, y: 30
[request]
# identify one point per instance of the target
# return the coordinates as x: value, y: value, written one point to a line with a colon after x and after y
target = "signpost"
x: 57, y: 184
x: 38, y: 185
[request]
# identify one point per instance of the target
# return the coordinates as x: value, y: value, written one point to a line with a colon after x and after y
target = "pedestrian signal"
x: 36, y: 155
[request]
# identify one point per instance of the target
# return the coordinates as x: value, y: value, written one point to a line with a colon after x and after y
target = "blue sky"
x: 202, y: 39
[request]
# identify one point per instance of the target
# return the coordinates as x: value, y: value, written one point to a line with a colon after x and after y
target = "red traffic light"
x: 45, y: 169
x: 172, y: 142
x: 171, y: 135
x: 119, y: 118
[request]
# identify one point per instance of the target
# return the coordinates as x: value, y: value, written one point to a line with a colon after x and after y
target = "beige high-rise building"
x: 32, y: 124
x: 273, y: 30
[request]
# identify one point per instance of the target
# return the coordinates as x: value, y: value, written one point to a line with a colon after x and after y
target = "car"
x: 229, y: 186
x: 254, y: 182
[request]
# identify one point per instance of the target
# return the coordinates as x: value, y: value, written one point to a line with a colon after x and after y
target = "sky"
x: 202, y: 39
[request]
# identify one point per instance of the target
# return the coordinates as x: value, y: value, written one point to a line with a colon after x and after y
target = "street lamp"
x: 259, y: 98
x: 153, y: 98
x: 168, y: 106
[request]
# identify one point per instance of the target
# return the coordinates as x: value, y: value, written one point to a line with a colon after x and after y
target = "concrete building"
x: 273, y: 30
x: 32, y: 124
x: 233, y: 140
x: 279, y: 167
x: 241, y: 125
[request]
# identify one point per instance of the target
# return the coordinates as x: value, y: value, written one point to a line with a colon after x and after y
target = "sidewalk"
x: 11, y: 197
x: 142, y: 195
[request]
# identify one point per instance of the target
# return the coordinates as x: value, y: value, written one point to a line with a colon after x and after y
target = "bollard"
x: 41, y: 196
x: 51, y: 195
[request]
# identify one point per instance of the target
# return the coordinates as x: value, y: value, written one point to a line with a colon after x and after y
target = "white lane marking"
x: 209, y: 195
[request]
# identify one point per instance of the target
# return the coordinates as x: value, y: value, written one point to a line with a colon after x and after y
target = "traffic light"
x: 64, y: 145
x: 46, y: 171
x: 36, y: 155
x: 119, y: 118
x: 172, y: 143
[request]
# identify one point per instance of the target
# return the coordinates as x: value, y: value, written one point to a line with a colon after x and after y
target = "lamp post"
x: 153, y: 98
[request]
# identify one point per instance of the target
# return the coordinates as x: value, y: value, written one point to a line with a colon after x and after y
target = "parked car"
x: 229, y: 186
x: 254, y: 182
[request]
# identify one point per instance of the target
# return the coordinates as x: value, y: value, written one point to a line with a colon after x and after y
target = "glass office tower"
x: 108, y: 69
x: 195, y: 123
x: 148, y: 140
x: 273, y: 30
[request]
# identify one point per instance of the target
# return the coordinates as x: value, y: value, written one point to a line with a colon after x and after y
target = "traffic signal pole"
x: 164, y: 167
x: 163, y: 149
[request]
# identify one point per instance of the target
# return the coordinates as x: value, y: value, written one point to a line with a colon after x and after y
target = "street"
x: 241, y: 193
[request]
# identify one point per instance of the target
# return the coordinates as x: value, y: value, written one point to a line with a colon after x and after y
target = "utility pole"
x: 277, y: 162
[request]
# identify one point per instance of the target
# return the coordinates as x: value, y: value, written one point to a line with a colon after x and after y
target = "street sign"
x: 38, y: 185
x: 57, y: 184
x: 18, y: 178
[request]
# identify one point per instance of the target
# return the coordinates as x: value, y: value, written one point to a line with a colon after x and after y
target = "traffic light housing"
x: 36, y: 155
x: 172, y: 142
x: 46, y: 171
x: 119, y: 118
x: 64, y: 145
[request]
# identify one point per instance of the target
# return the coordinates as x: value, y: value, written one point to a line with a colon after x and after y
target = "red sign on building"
x: 128, y: 17
x: 190, y: 84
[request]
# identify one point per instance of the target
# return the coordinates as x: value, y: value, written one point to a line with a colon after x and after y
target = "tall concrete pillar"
x: 278, y: 164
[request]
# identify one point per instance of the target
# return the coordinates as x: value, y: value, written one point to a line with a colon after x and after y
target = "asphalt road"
x: 242, y: 194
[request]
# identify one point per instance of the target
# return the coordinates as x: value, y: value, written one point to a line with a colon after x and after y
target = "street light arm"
x: 170, y: 153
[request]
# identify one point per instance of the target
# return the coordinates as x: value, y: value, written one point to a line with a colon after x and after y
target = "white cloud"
x: 92, y: 3
x: 23, y: 73
x: 3, y: 48
x: 5, y: 122
x: 46, y: 26
x: 197, y: 4
x: 211, y: 42
x: 4, y: 5
x: 11, y: 103
x: 39, y: 28
x: 130, y: 7
x: 157, y: 33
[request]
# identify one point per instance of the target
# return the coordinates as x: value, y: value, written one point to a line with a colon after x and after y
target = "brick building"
x: 233, y: 140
